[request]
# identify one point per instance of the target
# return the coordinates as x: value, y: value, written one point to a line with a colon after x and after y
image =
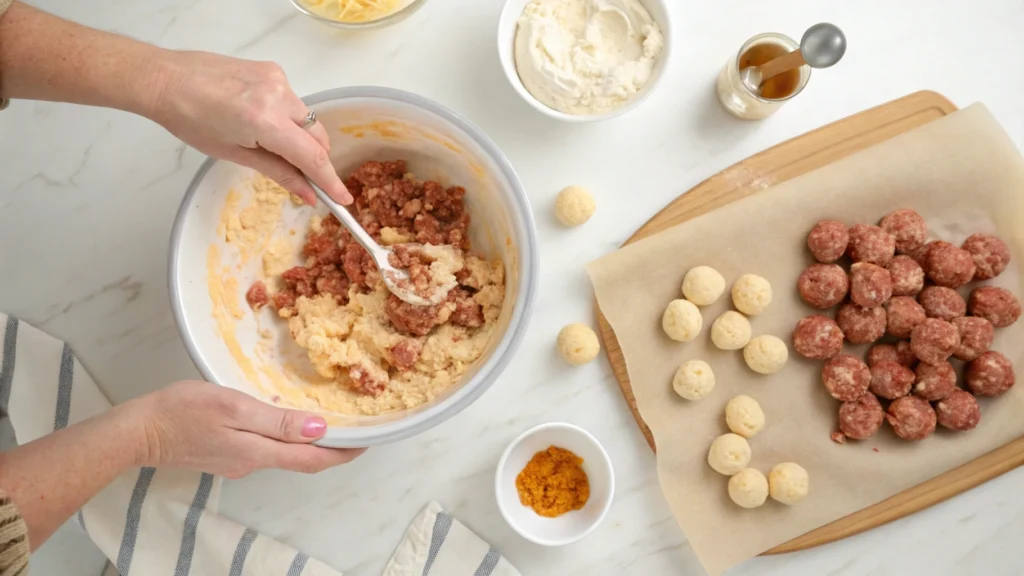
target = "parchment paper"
x: 964, y: 175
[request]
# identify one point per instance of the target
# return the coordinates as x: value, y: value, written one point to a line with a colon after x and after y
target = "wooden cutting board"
x: 784, y: 162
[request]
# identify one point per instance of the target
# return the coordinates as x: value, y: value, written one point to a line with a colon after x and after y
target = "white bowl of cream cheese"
x: 584, y: 60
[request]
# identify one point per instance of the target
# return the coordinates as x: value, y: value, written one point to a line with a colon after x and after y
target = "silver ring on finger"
x: 309, y: 120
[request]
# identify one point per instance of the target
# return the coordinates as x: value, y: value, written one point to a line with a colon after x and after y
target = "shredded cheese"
x: 356, y: 10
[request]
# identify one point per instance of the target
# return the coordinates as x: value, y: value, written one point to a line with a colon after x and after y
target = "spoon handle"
x: 784, y: 63
x: 349, y: 221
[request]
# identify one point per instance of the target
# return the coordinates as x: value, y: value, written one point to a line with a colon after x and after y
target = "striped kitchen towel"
x: 153, y: 521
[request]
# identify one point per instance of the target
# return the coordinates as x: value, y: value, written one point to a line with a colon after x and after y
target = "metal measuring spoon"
x: 821, y: 46
x: 396, y: 280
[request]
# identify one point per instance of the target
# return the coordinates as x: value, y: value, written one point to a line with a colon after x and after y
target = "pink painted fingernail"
x: 314, y: 427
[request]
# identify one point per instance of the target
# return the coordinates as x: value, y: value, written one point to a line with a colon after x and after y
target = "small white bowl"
x: 508, y: 24
x: 569, y: 527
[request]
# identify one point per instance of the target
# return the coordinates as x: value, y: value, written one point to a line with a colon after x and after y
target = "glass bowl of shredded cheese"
x: 358, y: 14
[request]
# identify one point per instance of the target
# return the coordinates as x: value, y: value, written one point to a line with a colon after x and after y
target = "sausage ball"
x: 861, y: 325
x: 934, y: 381
x: 823, y: 285
x: 958, y: 411
x: 997, y: 305
x: 976, y: 334
x: 871, y: 244
x: 933, y: 341
x: 881, y: 352
x: 903, y: 315
x: 817, y: 337
x: 990, y: 254
x: 990, y: 374
x: 907, y: 276
x: 921, y: 253
x: 845, y: 377
x: 905, y: 353
x: 870, y: 285
x: 942, y: 303
x: 890, y: 380
x: 948, y: 266
x: 907, y: 227
x: 911, y: 418
x: 861, y: 418
x: 828, y: 240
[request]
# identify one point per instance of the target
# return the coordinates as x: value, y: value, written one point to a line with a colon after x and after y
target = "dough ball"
x: 578, y: 344
x: 694, y: 380
x: 788, y: 483
x: 682, y: 320
x: 730, y: 331
x: 703, y: 285
x: 744, y: 416
x: 751, y: 294
x: 766, y: 354
x: 729, y: 454
x: 574, y: 206
x: 748, y: 488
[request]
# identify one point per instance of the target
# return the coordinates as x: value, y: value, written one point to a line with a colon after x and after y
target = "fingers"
x: 319, y: 133
x: 277, y: 169
x: 310, y: 459
x: 293, y: 426
x: 302, y: 150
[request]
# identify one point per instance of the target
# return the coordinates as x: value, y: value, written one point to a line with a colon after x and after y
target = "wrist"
x: 133, y: 422
x: 149, y: 79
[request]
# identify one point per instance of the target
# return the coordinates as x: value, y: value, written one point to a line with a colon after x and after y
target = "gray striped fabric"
x: 131, y: 525
x: 195, y: 512
x: 298, y: 564
x: 241, y: 551
x: 442, y: 524
x: 488, y: 564
x: 7, y: 368
x: 64, y: 383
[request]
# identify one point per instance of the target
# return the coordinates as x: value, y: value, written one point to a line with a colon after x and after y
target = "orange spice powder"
x: 553, y: 482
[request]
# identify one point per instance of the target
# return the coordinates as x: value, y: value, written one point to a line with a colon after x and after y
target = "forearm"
x: 43, y: 57
x: 53, y: 477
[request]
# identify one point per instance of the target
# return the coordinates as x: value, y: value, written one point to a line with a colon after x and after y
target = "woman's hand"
x: 205, y: 427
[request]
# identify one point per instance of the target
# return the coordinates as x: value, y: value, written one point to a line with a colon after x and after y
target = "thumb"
x: 293, y: 426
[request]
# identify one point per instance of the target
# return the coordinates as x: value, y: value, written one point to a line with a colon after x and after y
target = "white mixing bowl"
x: 364, y: 123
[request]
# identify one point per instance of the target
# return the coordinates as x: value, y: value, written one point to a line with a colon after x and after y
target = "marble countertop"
x: 87, y: 198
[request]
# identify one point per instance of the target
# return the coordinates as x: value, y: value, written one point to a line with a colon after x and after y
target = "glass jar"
x: 743, y: 103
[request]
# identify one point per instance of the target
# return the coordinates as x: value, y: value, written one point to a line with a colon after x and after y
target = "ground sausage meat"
x: 934, y: 340
x: 976, y: 335
x: 861, y: 325
x: 891, y: 380
x: 997, y: 305
x: 942, y: 303
x: 405, y: 353
x: 907, y: 276
x: 861, y: 418
x: 828, y: 240
x: 990, y: 254
x: 907, y: 227
x: 257, y: 296
x: 905, y: 352
x: 934, y: 381
x: 990, y: 374
x: 949, y: 266
x: 882, y: 352
x: 870, y: 285
x: 817, y: 337
x: 823, y: 285
x: 845, y: 377
x: 904, y: 314
x: 871, y: 244
x: 911, y: 418
x: 958, y: 411
x: 921, y: 253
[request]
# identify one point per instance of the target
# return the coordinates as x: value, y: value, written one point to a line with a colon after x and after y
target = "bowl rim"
x: 605, y: 459
x: 392, y: 18
x: 508, y: 66
x: 357, y: 437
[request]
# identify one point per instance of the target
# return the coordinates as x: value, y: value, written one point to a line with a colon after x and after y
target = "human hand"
x: 244, y: 112
x: 202, y: 426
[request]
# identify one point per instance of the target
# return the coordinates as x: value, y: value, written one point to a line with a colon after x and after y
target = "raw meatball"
x: 990, y: 374
x: 990, y: 254
x: 870, y: 285
x: 730, y: 331
x: 907, y: 227
x: 845, y: 377
x: 751, y: 294
x: 574, y: 206
x: 823, y: 285
x: 766, y: 354
x: 976, y: 334
x: 891, y: 380
x: 907, y: 276
x: 694, y: 380
x: 817, y: 337
x: 942, y: 303
x: 682, y: 320
x: 934, y: 381
x: 578, y: 344
x: 903, y: 314
x: 958, y: 411
x: 748, y: 488
x: 861, y: 418
x: 905, y: 352
x: 934, y: 340
x: 882, y: 352
x: 828, y: 240
x: 729, y: 454
x: 861, y: 325
x: 921, y: 253
x: 743, y: 415
x: 703, y: 285
x: 788, y: 483
x: 871, y: 244
x: 911, y: 418
x: 948, y: 266
x: 997, y: 305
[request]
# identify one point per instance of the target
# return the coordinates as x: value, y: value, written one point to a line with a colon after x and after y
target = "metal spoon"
x: 822, y: 46
x: 396, y: 280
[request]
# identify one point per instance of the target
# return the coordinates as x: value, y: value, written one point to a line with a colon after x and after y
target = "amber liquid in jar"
x: 779, y: 86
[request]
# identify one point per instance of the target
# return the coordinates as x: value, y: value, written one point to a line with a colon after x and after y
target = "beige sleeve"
x: 14, y: 549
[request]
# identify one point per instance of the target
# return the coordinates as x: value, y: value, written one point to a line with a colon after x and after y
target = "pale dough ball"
x: 788, y: 482
x: 751, y: 294
x: 694, y: 380
x: 743, y: 415
x: 766, y: 354
x: 748, y: 488
x: 729, y: 454
x: 578, y: 344
x: 730, y: 331
x: 574, y: 206
x: 703, y: 285
x: 682, y: 320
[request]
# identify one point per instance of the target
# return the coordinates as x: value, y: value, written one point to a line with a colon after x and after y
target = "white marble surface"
x: 87, y: 198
